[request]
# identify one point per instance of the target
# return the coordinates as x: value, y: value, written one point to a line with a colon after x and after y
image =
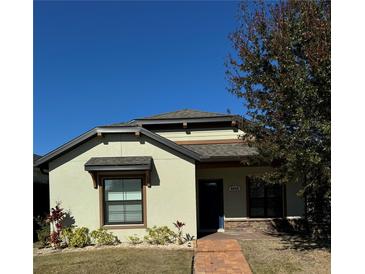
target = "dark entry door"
x: 210, y: 204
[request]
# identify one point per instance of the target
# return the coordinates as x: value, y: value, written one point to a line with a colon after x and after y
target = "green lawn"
x: 286, y: 255
x: 116, y: 260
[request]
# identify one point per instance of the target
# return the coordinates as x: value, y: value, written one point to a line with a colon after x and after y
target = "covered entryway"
x: 210, y: 205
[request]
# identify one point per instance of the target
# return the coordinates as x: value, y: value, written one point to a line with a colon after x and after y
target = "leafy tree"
x: 282, y: 70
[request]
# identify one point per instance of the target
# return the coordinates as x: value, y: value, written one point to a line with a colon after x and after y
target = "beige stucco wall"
x: 170, y: 198
x: 235, y: 203
x: 218, y: 134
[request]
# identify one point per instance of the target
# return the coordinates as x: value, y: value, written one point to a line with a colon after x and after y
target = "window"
x: 123, y: 201
x: 264, y: 200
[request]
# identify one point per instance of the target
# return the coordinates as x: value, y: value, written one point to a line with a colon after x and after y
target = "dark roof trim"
x: 65, y: 147
x: 223, y: 158
x: 113, y: 129
x: 118, y: 168
x: 187, y: 120
x: 191, y: 120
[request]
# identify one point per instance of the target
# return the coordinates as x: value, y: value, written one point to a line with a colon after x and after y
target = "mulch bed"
x: 51, y: 250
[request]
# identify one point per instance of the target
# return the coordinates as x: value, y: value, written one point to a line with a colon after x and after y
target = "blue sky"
x: 97, y: 63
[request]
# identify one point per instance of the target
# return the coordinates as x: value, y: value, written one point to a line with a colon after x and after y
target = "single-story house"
x: 185, y: 165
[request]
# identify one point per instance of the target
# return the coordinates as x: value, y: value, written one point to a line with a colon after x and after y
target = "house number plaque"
x: 234, y: 188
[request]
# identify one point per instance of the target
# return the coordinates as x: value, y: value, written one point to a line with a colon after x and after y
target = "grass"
x: 286, y: 254
x: 116, y: 260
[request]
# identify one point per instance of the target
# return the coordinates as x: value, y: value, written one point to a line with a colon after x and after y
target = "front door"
x: 210, y: 204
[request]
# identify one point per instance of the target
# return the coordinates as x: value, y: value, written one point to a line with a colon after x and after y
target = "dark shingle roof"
x: 177, y: 115
x: 185, y: 114
x: 234, y: 151
x: 119, y: 161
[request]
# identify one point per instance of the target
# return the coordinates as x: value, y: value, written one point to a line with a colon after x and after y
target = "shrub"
x: 188, y: 238
x: 55, y: 218
x: 102, y: 237
x: 76, y: 237
x: 43, y: 231
x: 43, y: 235
x: 134, y: 239
x: 179, y: 225
x: 66, y: 235
x: 160, y: 235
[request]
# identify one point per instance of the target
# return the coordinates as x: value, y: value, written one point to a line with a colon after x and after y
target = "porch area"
x: 229, y: 197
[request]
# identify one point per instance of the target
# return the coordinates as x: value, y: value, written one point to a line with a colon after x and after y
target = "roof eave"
x: 224, y: 158
x: 184, y: 120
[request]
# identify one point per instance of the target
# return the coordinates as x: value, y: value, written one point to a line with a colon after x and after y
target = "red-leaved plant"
x: 179, y: 225
x: 55, y: 220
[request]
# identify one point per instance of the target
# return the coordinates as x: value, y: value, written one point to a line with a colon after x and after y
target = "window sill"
x: 129, y: 226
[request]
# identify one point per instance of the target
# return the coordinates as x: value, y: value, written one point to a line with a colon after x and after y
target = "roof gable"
x: 101, y: 130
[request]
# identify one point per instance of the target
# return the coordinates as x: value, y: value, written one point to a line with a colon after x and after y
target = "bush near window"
x: 135, y: 239
x: 102, y: 237
x: 160, y: 235
x: 76, y: 237
x: 163, y: 235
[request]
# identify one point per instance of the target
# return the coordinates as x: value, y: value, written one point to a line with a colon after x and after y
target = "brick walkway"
x: 219, y: 255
